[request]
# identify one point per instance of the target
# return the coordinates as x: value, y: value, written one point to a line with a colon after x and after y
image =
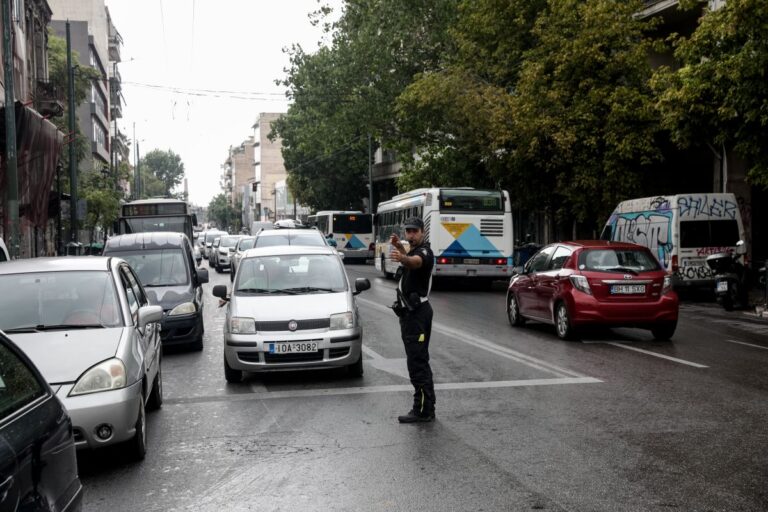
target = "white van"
x: 681, y: 230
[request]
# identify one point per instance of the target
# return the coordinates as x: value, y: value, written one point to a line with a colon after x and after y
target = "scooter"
x: 730, y: 277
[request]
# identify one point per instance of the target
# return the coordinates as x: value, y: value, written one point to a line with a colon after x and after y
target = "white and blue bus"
x: 351, y: 230
x: 469, y: 230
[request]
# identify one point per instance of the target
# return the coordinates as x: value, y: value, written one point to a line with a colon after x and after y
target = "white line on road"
x: 669, y: 358
x: 489, y: 346
x: 395, y: 388
x: 747, y: 344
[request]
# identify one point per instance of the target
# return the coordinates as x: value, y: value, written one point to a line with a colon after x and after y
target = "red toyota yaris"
x: 594, y: 282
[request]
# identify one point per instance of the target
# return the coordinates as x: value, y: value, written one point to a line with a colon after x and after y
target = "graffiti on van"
x: 652, y: 229
x: 698, y: 206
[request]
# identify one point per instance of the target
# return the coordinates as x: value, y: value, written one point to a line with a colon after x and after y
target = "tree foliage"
x: 347, y: 90
x: 720, y: 93
x: 161, y: 172
x: 224, y: 214
x: 584, y: 122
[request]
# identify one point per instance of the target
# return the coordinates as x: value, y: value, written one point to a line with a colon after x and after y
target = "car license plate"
x: 471, y: 261
x: 299, y: 347
x: 627, y: 289
x: 722, y: 286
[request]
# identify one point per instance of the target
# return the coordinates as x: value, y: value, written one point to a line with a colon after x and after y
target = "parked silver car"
x: 292, y: 307
x: 243, y: 245
x: 87, y: 325
x: 224, y: 251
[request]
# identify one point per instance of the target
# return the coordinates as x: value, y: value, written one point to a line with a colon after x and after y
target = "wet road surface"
x: 525, y: 421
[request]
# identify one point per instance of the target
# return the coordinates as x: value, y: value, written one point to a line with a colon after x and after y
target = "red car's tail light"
x: 501, y: 261
x: 580, y: 283
x: 442, y: 261
x: 667, y: 285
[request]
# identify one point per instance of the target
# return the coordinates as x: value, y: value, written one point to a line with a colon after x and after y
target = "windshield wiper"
x: 308, y: 289
x: 21, y: 329
x: 622, y: 269
x: 260, y: 290
x: 54, y: 327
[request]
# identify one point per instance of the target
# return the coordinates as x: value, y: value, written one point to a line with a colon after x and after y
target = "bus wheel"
x: 387, y: 275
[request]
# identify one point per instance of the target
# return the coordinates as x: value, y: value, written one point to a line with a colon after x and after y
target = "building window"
x: 98, y: 99
x: 99, y: 134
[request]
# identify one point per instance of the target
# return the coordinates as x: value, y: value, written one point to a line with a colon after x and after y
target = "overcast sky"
x: 200, y: 46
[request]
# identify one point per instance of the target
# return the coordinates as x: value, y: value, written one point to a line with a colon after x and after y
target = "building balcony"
x: 47, y: 100
x: 114, y: 42
x: 99, y: 150
x: 117, y: 110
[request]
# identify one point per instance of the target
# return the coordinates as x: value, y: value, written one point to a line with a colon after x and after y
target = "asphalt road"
x: 524, y: 421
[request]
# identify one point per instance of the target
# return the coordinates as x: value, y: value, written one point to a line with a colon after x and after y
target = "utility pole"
x: 370, y: 176
x: 72, y: 139
x: 135, y: 169
x: 11, y: 161
x: 138, y: 171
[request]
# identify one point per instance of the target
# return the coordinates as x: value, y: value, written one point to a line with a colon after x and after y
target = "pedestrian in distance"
x: 415, y: 313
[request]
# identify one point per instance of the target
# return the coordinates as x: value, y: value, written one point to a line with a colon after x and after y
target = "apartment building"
x: 38, y: 141
x: 90, y: 37
x: 269, y: 167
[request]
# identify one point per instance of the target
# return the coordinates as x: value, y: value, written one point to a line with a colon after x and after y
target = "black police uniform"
x: 415, y: 328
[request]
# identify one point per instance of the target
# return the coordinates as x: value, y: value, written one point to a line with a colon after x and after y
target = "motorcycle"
x: 730, y: 277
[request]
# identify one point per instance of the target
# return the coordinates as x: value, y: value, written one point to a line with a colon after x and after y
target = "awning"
x: 38, y: 146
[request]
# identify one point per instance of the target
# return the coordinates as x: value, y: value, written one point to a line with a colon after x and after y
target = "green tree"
x: 166, y: 168
x: 583, y: 121
x: 719, y: 94
x: 458, y: 117
x: 224, y: 214
x: 345, y: 91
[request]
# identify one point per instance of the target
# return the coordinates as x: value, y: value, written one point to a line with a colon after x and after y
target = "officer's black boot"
x: 414, y: 416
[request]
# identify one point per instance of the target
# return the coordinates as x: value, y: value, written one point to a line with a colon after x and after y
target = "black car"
x: 38, y: 463
x: 165, y: 264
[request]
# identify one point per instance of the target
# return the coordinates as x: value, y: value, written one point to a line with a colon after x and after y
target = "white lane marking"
x: 489, y: 346
x: 396, y: 388
x: 397, y: 366
x: 374, y: 355
x: 669, y: 358
x: 747, y: 344
x: 258, y: 387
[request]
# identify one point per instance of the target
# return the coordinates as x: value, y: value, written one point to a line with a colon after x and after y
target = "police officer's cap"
x: 413, y: 223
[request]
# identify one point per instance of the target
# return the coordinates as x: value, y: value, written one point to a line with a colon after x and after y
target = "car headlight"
x: 105, y: 376
x: 240, y: 325
x: 185, y: 308
x: 342, y: 321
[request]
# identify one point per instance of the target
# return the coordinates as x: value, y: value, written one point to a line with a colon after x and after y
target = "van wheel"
x: 563, y: 327
x: 233, y: 376
x: 513, y: 312
x: 664, y: 331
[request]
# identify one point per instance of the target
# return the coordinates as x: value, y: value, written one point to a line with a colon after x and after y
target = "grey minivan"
x: 166, y: 267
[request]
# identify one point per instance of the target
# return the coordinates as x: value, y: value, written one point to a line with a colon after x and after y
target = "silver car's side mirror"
x: 149, y: 315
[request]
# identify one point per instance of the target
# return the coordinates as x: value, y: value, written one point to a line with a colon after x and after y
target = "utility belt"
x: 407, y: 305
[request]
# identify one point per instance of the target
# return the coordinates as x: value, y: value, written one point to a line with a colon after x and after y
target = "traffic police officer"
x: 415, y: 314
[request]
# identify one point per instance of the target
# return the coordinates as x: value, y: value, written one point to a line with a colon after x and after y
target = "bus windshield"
x: 460, y: 200
x: 352, y: 223
x: 180, y: 224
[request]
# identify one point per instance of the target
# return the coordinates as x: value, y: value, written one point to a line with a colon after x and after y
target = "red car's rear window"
x: 617, y: 260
